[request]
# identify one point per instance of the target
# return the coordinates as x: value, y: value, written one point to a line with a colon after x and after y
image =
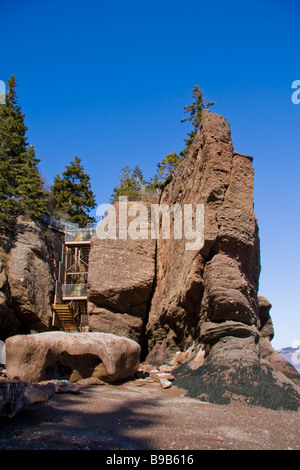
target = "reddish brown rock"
x: 28, y: 267
x: 218, y: 282
x: 165, y: 383
x: 71, y: 356
x: 16, y: 396
x: 198, y: 307
x: 209, y: 296
x: 9, y: 324
x: 120, y: 280
x: 266, y: 324
x: 267, y: 352
x: 234, y: 371
x: 227, y: 295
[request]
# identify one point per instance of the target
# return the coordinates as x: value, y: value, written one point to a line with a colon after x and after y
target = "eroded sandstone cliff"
x: 29, y: 260
x: 200, y: 289
x: 200, y: 308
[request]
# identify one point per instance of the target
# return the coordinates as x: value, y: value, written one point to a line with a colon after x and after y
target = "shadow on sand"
x: 71, y: 422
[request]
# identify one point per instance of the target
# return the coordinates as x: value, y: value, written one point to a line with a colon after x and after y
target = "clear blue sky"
x: 108, y: 80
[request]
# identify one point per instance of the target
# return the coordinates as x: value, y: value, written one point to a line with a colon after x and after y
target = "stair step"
x: 65, y: 317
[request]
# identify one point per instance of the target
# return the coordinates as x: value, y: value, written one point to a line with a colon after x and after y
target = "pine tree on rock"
x: 195, y: 109
x: 138, y: 178
x: 166, y: 168
x: 31, y: 193
x: 132, y: 185
x: 73, y: 195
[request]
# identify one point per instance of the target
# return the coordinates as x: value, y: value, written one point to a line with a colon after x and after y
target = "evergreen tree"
x: 73, y: 194
x: 31, y: 193
x: 139, y: 181
x: 21, y: 188
x: 195, y: 109
x: 132, y: 185
x: 166, y: 168
x: 169, y: 163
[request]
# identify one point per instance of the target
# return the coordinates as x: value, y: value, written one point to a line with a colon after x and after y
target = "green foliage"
x: 31, y: 193
x: 165, y: 169
x: 73, y: 194
x: 170, y: 162
x: 195, y: 110
x: 21, y: 187
x: 129, y: 184
x: 132, y: 185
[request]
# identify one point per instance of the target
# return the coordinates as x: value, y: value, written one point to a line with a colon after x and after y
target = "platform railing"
x: 79, y: 235
x: 74, y: 290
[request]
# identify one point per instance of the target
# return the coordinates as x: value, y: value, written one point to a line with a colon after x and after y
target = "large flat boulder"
x: 120, y: 280
x: 71, y: 356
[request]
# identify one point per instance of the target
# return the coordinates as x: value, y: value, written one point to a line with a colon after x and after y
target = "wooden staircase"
x: 65, y: 317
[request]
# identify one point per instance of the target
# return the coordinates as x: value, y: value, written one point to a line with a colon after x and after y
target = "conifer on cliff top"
x: 21, y: 186
x: 165, y: 168
x: 73, y: 195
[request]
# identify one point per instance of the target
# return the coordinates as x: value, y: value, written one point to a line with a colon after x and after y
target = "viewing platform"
x: 74, y: 291
x: 79, y: 236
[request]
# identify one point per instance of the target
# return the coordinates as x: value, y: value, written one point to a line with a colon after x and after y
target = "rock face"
x: 235, y: 371
x: 206, y: 301
x: 9, y: 324
x: 120, y: 279
x: 28, y: 268
x: 71, y: 356
x: 266, y: 350
x: 218, y: 283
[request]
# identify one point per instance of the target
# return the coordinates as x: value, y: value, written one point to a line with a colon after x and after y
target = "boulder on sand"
x: 71, y: 356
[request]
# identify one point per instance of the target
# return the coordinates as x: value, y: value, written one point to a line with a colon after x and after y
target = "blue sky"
x: 108, y: 81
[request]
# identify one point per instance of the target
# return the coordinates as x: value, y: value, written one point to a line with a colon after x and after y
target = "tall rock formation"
x: 207, y: 300
x: 199, y: 307
x: 198, y: 290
